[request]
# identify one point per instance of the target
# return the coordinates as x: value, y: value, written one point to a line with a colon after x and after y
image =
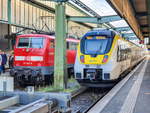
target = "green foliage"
x: 72, y: 85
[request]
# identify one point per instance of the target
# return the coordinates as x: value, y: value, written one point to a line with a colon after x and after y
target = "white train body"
x: 94, y: 68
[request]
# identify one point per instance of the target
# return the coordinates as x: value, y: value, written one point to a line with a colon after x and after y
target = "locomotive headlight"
x: 105, y: 58
x: 36, y: 58
x: 20, y: 58
x: 82, y: 58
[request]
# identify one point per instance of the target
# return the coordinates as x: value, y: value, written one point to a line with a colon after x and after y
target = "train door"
x: 120, y: 56
x: 51, y: 52
x: 71, y: 52
x: 71, y: 55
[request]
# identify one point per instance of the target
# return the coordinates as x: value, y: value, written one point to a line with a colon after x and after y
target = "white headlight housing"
x: 36, y: 58
x: 19, y: 58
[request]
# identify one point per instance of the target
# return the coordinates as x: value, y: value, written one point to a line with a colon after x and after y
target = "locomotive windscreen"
x: 96, y: 46
x: 31, y: 42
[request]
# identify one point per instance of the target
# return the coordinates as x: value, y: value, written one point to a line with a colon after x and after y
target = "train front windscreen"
x: 30, y: 42
x: 96, y: 45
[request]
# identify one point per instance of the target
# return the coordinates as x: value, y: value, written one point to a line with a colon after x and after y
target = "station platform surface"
x: 131, y: 95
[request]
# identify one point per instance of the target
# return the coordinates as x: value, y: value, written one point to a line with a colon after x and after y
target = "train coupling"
x: 93, y: 74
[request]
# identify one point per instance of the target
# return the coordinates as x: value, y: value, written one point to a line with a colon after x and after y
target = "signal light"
x: 82, y: 58
x: 105, y: 58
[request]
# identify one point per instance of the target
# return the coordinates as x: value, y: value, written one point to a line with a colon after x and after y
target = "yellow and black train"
x: 103, y: 56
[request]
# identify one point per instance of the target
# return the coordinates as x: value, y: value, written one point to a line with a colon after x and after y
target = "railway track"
x: 82, y: 102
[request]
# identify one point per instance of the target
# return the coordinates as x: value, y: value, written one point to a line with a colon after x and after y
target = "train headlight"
x: 36, y: 58
x: 20, y: 58
x: 82, y: 58
x: 105, y: 58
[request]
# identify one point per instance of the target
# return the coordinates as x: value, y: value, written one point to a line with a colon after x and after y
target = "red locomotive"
x: 34, y: 58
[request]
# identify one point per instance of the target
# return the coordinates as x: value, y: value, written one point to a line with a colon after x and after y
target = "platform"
x: 131, y: 95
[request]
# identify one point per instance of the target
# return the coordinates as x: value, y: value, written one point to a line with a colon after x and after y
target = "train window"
x: 52, y: 44
x: 96, y: 46
x: 67, y: 45
x: 71, y: 45
x: 123, y: 52
x: 128, y: 52
x: 36, y: 43
x: 30, y: 42
x: 23, y: 43
x: 74, y: 46
x: 118, y: 54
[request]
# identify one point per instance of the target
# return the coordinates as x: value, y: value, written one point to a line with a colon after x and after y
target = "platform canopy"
x: 105, y: 14
x: 114, y: 14
x: 137, y: 14
x: 141, y: 9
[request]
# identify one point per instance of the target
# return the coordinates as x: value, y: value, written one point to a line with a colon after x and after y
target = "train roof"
x: 103, y: 32
x: 48, y: 36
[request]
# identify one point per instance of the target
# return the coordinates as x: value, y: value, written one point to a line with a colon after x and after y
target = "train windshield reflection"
x: 97, y: 46
x: 33, y: 42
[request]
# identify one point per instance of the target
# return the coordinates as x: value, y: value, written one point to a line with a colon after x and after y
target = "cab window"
x: 31, y: 42
x: 72, y: 45
x: 96, y: 45
x: 52, y: 44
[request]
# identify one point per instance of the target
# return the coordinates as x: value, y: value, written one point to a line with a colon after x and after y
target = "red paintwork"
x: 46, y: 52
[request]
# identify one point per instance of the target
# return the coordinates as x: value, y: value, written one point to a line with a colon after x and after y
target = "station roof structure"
x: 103, y: 10
x: 141, y: 9
x: 130, y: 17
x: 137, y: 14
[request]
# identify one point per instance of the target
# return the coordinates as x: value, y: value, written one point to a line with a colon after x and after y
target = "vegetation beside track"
x: 72, y: 85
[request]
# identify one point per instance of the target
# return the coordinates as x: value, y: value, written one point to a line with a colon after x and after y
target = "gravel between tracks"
x: 83, y: 101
